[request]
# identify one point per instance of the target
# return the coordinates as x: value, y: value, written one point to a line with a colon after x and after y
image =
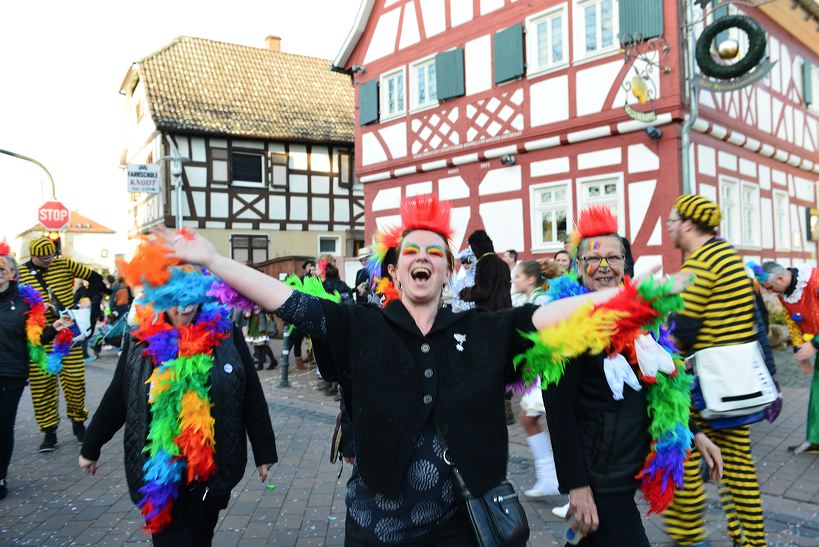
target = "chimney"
x: 274, y: 43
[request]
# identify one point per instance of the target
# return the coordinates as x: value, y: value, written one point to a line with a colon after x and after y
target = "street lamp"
x: 38, y: 164
x: 176, y: 174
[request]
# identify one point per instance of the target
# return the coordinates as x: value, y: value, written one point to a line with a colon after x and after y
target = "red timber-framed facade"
x: 520, y: 153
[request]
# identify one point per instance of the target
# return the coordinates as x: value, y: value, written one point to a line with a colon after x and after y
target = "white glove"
x: 619, y: 372
x: 652, y: 358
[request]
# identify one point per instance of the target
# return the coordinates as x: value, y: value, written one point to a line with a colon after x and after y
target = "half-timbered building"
x: 518, y: 112
x: 267, y: 138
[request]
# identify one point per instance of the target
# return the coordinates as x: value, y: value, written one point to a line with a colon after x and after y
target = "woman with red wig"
x: 425, y: 385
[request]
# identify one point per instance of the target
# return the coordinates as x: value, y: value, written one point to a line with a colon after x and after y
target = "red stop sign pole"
x: 53, y: 215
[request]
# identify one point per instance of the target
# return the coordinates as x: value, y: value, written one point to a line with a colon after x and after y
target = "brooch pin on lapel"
x: 459, y: 341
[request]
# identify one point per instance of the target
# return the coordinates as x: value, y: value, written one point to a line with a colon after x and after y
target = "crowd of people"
x: 424, y: 353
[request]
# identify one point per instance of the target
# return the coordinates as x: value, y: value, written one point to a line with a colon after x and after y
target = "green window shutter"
x: 643, y: 18
x: 449, y: 74
x: 807, y: 82
x: 719, y: 13
x: 368, y: 102
x: 508, y: 53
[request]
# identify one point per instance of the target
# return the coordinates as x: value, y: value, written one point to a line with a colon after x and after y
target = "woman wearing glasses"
x: 598, y: 412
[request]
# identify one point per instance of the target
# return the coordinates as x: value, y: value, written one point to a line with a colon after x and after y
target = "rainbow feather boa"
x: 48, y: 363
x: 181, y: 435
x: 612, y: 327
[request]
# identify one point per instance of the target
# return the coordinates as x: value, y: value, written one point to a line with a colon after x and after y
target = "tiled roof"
x: 202, y: 86
x: 77, y: 224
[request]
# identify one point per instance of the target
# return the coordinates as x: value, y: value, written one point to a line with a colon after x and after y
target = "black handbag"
x: 496, y: 517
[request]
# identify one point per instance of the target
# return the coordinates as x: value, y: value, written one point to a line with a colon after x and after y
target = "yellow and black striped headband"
x: 699, y: 209
x: 42, y: 246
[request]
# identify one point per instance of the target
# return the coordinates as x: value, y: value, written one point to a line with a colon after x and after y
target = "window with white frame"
x: 598, y: 26
x: 392, y: 94
x: 781, y: 220
x: 249, y: 249
x: 731, y: 208
x: 751, y: 228
x: 247, y: 169
x: 602, y: 191
x: 423, y: 91
x: 551, y: 214
x: 547, y: 45
x: 329, y: 245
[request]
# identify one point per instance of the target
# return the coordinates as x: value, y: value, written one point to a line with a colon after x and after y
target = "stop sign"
x: 53, y: 215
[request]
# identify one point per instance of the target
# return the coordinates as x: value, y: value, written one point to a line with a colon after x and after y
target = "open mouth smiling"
x: 420, y: 273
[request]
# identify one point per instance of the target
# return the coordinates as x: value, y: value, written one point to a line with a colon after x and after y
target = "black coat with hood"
x: 493, y: 280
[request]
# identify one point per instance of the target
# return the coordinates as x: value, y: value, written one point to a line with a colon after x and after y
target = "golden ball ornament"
x: 728, y: 49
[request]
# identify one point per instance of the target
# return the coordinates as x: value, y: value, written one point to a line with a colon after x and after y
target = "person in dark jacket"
x: 600, y: 443
x: 493, y: 279
x: 418, y: 379
x: 333, y: 283
x: 186, y: 390
x: 14, y: 356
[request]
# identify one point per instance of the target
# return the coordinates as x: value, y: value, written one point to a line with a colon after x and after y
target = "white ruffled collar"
x: 803, y: 274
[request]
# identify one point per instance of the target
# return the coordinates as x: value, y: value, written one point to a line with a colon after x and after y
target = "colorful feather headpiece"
x: 4, y: 249
x: 596, y: 220
x: 425, y: 212
x: 759, y: 272
x: 384, y: 240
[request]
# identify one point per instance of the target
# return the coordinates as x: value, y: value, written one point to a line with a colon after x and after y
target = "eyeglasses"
x: 669, y: 221
x: 5, y: 271
x: 613, y: 260
x: 47, y: 258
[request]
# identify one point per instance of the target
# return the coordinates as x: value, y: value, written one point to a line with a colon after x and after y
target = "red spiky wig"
x: 425, y: 212
x: 4, y: 249
x: 596, y: 220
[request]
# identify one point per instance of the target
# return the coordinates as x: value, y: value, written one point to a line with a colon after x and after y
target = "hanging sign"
x: 143, y: 178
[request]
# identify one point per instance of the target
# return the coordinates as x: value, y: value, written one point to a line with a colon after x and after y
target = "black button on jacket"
x: 378, y: 357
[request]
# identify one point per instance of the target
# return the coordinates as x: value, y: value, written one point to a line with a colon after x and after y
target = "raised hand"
x: 188, y: 247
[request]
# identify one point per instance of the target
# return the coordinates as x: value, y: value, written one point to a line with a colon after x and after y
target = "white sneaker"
x: 541, y: 489
x: 561, y: 511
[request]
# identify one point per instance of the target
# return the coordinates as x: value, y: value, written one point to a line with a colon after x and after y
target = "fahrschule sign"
x: 143, y: 178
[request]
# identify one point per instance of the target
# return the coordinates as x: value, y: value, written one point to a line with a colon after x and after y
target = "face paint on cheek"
x: 590, y: 269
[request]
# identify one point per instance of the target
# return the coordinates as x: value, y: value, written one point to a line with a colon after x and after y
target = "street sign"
x: 143, y: 178
x: 53, y: 215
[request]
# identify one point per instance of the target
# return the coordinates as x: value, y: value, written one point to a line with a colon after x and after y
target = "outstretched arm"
x: 266, y: 291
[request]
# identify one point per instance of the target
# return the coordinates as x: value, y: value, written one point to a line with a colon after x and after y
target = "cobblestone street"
x: 52, y: 503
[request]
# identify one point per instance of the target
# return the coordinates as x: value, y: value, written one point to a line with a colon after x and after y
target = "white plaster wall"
x: 496, y: 217
x: 488, y: 6
x: 460, y: 221
x: 644, y: 263
x: 418, y: 188
x: 341, y: 210
x: 297, y: 157
x: 706, y: 160
x: 387, y: 221
x: 641, y: 159
x: 747, y: 168
x: 409, y: 27
x: 478, y: 65
x: 599, y: 158
x: 452, y: 188
x: 395, y: 137
x: 639, y: 198
x: 321, y: 209
x: 708, y: 191
x: 389, y: 198
x: 434, y: 16
x: 383, y: 41
x: 549, y: 101
x: 656, y: 237
x: 298, y: 208
x: 764, y: 177
x: 197, y: 176
x: 219, y: 205
x: 804, y: 188
x: 549, y: 167
x: 500, y: 180
x: 727, y: 161
x: 371, y: 150
x: 198, y: 149
x: 593, y: 85
x: 460, y: 11
x: 763, y: 110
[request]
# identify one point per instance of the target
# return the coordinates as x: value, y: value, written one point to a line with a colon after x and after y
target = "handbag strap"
x: 459, y: 480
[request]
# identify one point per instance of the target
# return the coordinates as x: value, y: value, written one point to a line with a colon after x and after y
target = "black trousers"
x: 620, y: 522
x: 11, y: 389
x: 294, y: 341
x: 193, y: 520
x: 262, y: 353
x: 453, y: 533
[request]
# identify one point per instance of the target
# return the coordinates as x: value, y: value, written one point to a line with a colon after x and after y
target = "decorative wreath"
x: 756, y: 47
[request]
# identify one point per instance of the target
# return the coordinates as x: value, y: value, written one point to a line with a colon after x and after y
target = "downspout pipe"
x: 693, y: 101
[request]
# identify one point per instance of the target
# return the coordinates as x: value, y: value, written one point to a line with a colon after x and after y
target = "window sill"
x: 540, y: 71
x: 247, y: 184
x: 595, y: 55
x: 391, y: 117
x: 547, y: 249
x: 424, y: 107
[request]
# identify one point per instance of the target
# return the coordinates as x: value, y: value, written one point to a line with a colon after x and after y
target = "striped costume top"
x: 719, y: 306
x: 59, y: 277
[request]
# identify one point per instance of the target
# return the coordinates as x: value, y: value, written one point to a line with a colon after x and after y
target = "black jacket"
x: 493, y: 280
x: 239, y: 411
x: 597, y: 441
x: 14, y: 359
x: 394, y: 379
